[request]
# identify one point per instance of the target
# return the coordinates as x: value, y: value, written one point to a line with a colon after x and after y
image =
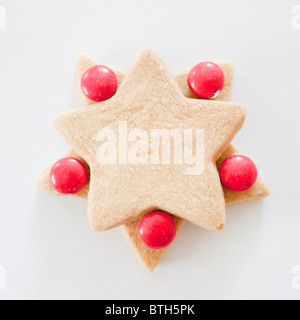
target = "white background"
x: 46, y: 246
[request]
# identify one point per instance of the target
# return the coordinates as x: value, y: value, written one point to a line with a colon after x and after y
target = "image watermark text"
x: 2, y: 278
x: 2, y: 17
x: 158, y: 147
x: 296, y: 278
x: 296, y: 17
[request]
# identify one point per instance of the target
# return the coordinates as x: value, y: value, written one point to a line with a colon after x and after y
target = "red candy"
x: 99, y: 83
x: 206, y: 80
x: 238, y: 173
x: 157, y: 230
x: 68, y: 176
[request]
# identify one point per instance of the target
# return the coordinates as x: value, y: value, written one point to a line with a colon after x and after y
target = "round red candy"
x: 99, y: 83
x: 157, y: 230
x: 206, y: 80
x: 68, y: 176
x: 238, y: 173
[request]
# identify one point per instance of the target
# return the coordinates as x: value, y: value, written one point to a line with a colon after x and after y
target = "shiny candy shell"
x: 157, y: 230
x: 206, y: 80
x: 99, y: 83
x: 238, y: 173
x: 68, y: 176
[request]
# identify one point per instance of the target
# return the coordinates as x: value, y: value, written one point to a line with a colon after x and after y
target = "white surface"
x: 46, y: 246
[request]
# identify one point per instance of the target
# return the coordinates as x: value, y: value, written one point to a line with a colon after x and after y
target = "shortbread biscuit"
x: 149, y: 257
x: 84, y: 63
x: 150, y: 99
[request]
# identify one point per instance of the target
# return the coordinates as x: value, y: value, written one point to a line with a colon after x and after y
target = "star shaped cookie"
x: 150, y: 100
x: 149, y: 257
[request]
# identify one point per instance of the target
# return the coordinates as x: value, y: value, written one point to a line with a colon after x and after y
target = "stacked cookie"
x: 151, y: 150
